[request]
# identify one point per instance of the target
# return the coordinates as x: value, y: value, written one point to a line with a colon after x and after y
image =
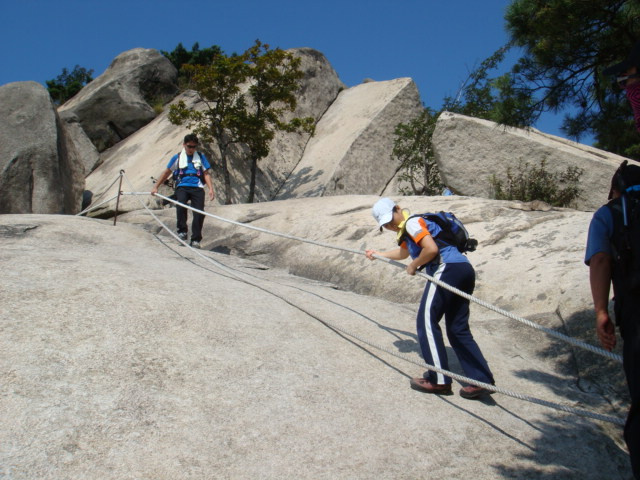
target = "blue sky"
x: 435, y: 42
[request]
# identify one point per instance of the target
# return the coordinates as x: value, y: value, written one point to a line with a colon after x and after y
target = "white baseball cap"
x: 383, y: 211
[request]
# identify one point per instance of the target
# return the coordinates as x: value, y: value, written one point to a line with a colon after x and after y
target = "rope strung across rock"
x: 493, y: 388
x: 549, y: 331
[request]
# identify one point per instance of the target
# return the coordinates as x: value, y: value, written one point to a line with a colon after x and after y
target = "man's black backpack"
x: 625, y: 241
x: 453, y: 231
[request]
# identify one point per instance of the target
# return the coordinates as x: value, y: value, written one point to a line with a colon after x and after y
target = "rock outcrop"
x: 88, y: 153
x: 118, y: 102
x: 107, y: 376
x: 470, y: 150
x: 41, y: 171
x: 143, y: 156
x: 356, y: 126
x: 351, y: 151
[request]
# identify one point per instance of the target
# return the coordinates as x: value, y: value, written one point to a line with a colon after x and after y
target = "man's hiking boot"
x: 195, y: 244
x: 182, y: 236
x: 473, y: 392
x: 423, y: 385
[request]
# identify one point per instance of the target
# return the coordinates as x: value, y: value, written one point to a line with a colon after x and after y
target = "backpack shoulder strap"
x: 445, y: 235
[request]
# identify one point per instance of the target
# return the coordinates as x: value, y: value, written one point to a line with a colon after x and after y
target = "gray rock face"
x: 104, y: 375
x: 351, y: 151
x: 88, y: 153
x: 470, y: 150
x: 142, y: 155
x: 117, y: 103
x: 41, y: 171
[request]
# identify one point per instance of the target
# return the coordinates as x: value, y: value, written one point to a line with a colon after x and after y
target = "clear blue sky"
x: 435, y: 42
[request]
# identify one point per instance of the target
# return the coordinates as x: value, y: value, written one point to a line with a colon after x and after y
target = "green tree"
x: 566, y: 45
x: 413, y: 148
x: 180, y: 57
x: 67, y: 84
x: 491, y: 98
x: 275, y: 81
x: 233, y: 117
x: 217, y: 86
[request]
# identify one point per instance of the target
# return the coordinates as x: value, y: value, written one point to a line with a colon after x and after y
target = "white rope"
x: 549, y: 331
x: 493, y: 388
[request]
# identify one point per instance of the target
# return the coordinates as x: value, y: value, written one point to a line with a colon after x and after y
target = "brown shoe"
x: 423, y: 385
x: 472, y: 392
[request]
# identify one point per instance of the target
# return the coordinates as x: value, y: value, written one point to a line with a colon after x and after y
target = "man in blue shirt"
x: 190, y: 169
x: 612, y: 256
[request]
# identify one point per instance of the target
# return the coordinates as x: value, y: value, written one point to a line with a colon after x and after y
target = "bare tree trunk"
x: 226, y: 177
x: 252, y: 183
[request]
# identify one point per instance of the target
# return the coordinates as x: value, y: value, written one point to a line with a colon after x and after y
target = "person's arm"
x: 600, y: 280
x: 395, y: 254
x: 207, y: 180
x: 163, y: 177
x: 428, y: 253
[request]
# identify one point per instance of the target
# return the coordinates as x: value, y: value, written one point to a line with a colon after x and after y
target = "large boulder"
x: 143, y: 156
x: 470, y: 150
x: 119, y: 102
x: 351, y: 150
x: 41, y: 171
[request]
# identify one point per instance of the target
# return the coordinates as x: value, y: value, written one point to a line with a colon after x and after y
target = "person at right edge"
x: 613, y: 257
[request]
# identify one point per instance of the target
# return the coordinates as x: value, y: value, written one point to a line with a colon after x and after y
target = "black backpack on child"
x: 453, y: 231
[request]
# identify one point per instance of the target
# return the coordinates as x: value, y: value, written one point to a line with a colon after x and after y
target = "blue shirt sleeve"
x: 173, y: 160
x: 600, y: 232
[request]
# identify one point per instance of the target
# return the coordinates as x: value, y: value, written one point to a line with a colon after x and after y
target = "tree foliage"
x: 275, y: 81
x: 528, y: 183
x: 566, y: 45
x: 413, y: 148
x: 67, y: 84
x: 235, y: 114
x: 180, y: 56
x: 182, y: 59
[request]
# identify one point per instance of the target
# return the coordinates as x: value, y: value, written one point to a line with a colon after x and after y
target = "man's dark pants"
x: 628, y: 319
x: 195, y: 195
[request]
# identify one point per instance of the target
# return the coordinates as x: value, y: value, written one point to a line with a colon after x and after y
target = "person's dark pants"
x: 628, y: 319
x: 195, y: 196
x: 436, y: 302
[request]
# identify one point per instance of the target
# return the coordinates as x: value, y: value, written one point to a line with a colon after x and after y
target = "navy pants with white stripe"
x: 438, y: 302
